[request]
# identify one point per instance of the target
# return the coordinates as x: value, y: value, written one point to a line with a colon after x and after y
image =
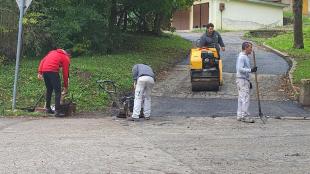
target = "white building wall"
x: 213, y: 15
x: 241, y: 15
x: 247, y: 16
x: 289, y: 3
x: 191, y: 18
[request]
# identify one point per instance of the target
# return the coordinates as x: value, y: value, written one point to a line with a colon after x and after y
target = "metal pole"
x: 221, y: 19
x: 18, y: 51
x: 200, y: 16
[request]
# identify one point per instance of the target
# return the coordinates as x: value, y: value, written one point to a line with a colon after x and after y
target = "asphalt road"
x: 173, y: 95
x: 267, y: 62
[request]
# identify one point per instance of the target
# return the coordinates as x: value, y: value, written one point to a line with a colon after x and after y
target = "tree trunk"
x: 120, y: 19
x: 139, y: 24
x: 125, y: 20
x: 113, y: 16
x: 112, y: 24
x: 157, y: 24
x: 142, y: 25
x: 298, y: 34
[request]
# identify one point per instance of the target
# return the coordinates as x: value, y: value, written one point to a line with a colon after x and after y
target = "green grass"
x: 159, y: 52
x: 284, y: 43
x: 288, y: 14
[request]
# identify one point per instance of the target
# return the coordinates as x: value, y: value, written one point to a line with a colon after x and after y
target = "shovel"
x: 261, y: 115
x: 33, y: 108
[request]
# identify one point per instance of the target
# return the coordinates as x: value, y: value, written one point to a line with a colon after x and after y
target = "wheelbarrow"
x: 121, y: 106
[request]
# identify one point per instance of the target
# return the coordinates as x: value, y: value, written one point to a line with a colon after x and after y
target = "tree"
x: 298, y: 34
x: 93, y: 26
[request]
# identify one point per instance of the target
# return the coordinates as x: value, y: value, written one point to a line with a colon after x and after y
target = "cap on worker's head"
x: 68, y: 52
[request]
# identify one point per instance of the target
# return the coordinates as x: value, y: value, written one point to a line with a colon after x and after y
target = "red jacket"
x: 53, y: 61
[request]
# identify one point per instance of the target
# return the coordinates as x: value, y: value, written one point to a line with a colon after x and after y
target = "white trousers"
x: 143, y: 92
x: 243, y: 86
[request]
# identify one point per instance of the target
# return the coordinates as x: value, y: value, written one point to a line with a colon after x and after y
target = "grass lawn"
x: 159, y: 52
x: 285, y: 43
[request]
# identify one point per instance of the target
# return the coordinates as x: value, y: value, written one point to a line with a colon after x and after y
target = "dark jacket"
x: 213, y: 41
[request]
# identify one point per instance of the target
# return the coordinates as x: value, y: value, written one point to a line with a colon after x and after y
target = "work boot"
x: 246, y: 120
x: 59, y: 114
x: 132, y: 119
x: 147, y: 118
x: 49, y: 111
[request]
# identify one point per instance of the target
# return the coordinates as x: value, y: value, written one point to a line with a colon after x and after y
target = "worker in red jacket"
x: 49, y: 71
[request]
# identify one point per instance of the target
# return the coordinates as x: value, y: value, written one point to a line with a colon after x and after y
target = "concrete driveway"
x: 162, y: 145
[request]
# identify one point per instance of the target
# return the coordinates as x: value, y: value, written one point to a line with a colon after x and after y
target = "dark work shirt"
x: 212, y: 41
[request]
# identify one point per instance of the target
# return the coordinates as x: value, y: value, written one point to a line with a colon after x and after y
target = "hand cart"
x: 121, y: 106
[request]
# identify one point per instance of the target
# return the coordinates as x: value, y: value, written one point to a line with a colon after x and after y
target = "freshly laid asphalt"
x: 198, y: 107
x: 267, y: 62
x: 271, y: 69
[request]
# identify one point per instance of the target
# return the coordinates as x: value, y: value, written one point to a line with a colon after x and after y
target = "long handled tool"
x: 33, y: 108
x: 261, y: 115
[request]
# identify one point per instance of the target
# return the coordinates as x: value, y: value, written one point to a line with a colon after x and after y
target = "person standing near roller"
x: 244, y: 85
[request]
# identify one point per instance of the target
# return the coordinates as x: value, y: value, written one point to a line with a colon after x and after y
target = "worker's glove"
x: 40, y: 77
x: 254, y: 69
x: 64, y: 91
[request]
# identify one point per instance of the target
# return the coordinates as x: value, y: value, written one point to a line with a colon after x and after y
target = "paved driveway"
x: 268, y: 62
x: 173, y: 95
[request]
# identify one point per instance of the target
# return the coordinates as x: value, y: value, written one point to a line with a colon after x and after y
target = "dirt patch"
x: 287, y: 88
x: 266, y: 33
x: 84, y: 75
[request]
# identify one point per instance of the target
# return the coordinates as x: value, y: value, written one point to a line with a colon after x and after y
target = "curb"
x: 292, y: 64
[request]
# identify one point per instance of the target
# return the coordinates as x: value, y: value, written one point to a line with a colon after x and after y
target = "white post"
x: 18, y: 51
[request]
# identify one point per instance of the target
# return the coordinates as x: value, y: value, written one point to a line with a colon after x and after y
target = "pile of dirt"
x: 266, y: 33
x: 289, y: 90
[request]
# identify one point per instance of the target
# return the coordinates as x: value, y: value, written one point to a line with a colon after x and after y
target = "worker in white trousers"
x: 143, y: 77
x: 243, y: 70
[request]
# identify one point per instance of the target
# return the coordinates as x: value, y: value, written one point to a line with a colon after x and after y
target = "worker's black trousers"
x: 52, y: 83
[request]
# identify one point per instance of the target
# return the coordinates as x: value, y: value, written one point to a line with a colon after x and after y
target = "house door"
x: 181, y: 20
x: 201, y: 15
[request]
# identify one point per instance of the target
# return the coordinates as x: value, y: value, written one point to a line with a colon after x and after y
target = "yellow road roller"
x: 205, y: 69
